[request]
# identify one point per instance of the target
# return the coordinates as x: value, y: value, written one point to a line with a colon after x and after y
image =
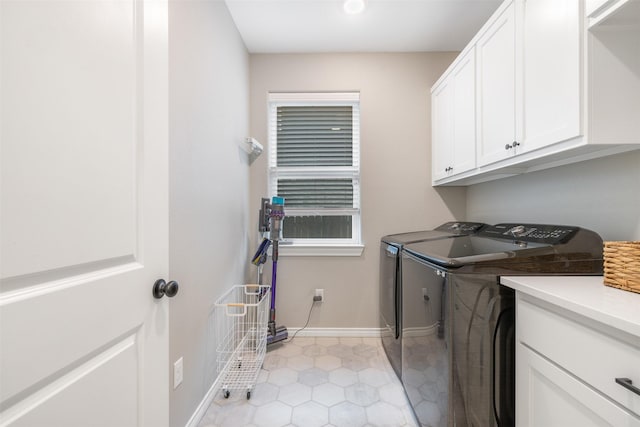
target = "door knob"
x: 162, y: 288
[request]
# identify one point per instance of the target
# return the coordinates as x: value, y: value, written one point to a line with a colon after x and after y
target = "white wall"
x: 395, y: 165
x: 602, y: 195
x: 209, y: 181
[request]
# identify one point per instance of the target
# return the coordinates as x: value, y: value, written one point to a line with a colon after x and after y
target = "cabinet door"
x: 443, y: 124
x: 496, y: 91
x: 548, y: 396
x: 464, y: 113
x: 454, y: 119
x: 551, y: 70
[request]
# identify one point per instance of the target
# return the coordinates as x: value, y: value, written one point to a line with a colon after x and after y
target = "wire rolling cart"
x: 241, y: 318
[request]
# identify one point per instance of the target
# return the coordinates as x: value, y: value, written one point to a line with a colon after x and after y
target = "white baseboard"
x: 336, y: 332
x: 201, y: 410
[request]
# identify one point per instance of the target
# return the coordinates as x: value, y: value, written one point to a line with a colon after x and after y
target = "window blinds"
x: 314, y: 163
x: 315, y: 135
x: 316, y: 193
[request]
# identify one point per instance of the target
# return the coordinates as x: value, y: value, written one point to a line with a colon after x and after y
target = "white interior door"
x: 84, y: 213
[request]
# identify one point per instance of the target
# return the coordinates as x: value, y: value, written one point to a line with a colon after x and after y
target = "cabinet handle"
x: 628, y: 384
x: 515, y: 144
x: 508, y: 147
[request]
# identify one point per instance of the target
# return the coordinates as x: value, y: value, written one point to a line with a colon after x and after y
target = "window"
x: 314, y: 163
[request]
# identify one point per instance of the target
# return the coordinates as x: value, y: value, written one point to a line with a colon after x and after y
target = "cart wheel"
x: 249, y: 395
x: 226, y: 393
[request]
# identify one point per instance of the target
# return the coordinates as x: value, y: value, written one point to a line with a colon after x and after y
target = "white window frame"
x: 318, y: 247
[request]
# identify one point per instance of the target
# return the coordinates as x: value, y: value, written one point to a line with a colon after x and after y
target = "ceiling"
x: 310, y: 26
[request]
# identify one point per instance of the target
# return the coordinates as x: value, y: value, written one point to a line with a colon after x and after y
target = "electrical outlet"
x: 177, y: 373
x: 319, y: 295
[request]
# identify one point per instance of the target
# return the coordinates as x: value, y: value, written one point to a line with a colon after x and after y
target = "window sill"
x: 320, y: 250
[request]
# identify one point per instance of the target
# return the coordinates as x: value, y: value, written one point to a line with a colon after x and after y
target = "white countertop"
x: 585, y: 295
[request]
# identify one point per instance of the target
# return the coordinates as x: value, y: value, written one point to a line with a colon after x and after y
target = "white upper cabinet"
x: 464, y: 111
x: 550, y: 75
x: 557, y: 81
x: 443, y: 126
x: 454, y: 119
x: 496, y: 89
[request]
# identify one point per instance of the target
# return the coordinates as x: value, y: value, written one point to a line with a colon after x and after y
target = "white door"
x: 84, y: 213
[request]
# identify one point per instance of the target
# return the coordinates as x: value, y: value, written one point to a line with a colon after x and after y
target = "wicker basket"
x: 622, y: 265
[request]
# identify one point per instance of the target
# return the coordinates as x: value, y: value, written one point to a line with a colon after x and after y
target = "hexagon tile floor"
x: 318, y: 381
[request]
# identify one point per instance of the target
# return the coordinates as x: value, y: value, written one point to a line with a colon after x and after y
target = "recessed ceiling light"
x: 353, y: 7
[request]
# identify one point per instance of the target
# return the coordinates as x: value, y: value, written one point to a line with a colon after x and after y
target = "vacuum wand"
x: 271, y: 216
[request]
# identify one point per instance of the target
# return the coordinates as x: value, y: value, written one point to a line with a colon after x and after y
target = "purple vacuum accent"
x: 274, y: 273
x: 273, y: 286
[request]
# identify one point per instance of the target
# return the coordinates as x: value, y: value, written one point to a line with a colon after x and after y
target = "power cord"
x: 308, y: 318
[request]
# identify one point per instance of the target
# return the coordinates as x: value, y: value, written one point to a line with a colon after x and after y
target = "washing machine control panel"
x: 538, y: 233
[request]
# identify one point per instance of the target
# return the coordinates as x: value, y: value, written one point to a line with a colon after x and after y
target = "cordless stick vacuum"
x: 271, y: 215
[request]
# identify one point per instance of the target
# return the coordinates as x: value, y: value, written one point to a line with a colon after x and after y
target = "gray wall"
x: 209, y: 182
x: 396, y: 193
x: 602, y: 195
